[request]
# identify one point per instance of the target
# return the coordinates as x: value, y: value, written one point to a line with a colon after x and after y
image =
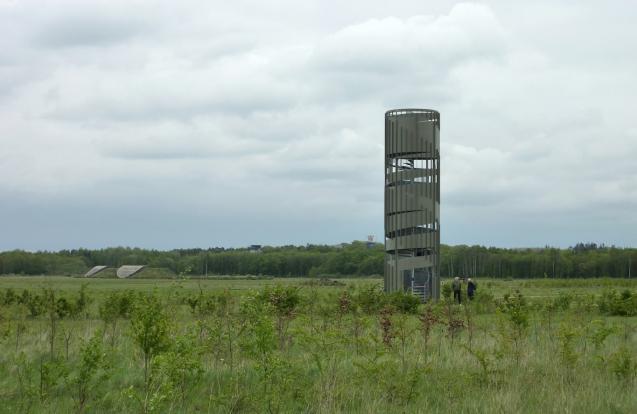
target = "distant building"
x: 255, y: 248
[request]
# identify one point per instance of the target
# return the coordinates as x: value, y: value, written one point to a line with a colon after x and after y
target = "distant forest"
x: 348, y: 259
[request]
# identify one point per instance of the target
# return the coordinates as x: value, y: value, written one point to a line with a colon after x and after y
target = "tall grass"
x: 299, y: 348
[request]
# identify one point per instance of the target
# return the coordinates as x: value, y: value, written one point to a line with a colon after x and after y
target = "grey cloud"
x: 151, y: 153
x: 176, y: 149
x: 216, y: 113
x: 150, y: 224
x: 72, y: 23
x: 174, y: 94
x: 88, y: 31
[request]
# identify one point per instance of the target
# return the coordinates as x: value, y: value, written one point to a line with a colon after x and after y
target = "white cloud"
x: 239, y: 112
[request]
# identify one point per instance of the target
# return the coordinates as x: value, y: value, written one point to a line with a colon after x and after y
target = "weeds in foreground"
x: 93, y: 369
x: 428, y: 320
x: 223, y: 351
x: 515, y: 310
x: 150, y: 330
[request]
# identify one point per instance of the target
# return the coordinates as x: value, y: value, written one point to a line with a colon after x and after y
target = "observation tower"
x: 412, y: 202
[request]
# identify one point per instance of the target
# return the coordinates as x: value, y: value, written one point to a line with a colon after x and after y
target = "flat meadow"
x: 289, y: 345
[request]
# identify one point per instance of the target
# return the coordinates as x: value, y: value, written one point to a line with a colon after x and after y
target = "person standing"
x: 456, y: 285
x: 471, y: 288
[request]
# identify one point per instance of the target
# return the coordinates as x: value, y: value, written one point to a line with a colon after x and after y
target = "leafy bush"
x: 622, y: 364
x: 34, y: 303
x: 516, y: 309
x: 149, y: 328
x: 404, y: 302
x: 370, y: 299
x: 9, y: 297
x: 82, y: 301
x: 599, y: 332
x: 117, y: 305
x: 567, y: 336
x: 180, y: 367
x: 446, y: 291
x: 201, y: 304
x: 93, y: 369
x: 283, y: 302
x: 614, y: 303
x: 562, y: 301
x: 283, y: 299
x: 484, y: 302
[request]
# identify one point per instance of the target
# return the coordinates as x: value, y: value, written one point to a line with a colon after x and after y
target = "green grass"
x: 329, y: 355
x: 100, y: 285
x: 530, y: 287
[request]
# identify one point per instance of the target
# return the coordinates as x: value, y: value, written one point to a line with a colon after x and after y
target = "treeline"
x: 580, y: 261
x: 351, y: 259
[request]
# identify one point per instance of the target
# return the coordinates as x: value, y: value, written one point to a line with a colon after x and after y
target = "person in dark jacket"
x: 471, y: 288
x: 456, y: 285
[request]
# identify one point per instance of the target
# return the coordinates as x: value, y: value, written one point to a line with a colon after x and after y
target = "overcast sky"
x: 209, y: 123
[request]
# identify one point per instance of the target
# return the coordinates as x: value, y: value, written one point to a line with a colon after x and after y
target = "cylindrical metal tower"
x: 412, y: 202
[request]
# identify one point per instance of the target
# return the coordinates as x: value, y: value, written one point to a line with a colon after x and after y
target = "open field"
x: 302, y: 345
x: 497, y: 287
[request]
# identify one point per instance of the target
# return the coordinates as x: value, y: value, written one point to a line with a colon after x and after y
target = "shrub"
x: 370, y: 299
x: 428, y: 319
x: 563, y: 301
x: 568, y: 335
x: 34, y: 303
x: 63, y: 307
x: 404, y: 302
x: 600, y: 331
x: 516, y: 310
x: 81, y: 303
x: 446, y: 291
x: 622, y: 364
x: 614, y: 303
x: 282, y: 301
x: 344, y: 303
x: 150, y: 327
x: 484, y: 302
x: 386, y: 326
x: 93, y: 369
x: 202, y: 304
x: 180, y: 367
x: 52, y: 372
x: 117, y: 305
x: 9, y: 297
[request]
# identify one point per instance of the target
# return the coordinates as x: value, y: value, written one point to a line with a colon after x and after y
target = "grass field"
x: 498, y: 287
x: 301, y: 345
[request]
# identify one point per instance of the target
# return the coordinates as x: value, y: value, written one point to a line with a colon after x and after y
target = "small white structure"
x: 128, y: 271
x: 95, y: 270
